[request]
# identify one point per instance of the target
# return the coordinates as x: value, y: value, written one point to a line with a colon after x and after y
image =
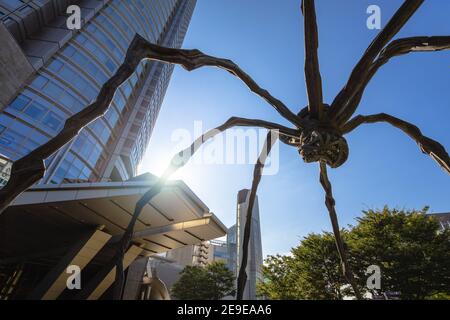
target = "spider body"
x: 320, y: 139
x: 323, y: 144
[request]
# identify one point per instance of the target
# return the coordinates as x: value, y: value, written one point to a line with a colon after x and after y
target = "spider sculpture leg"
x: 178, y: 161
x: 257, y: 172
x: 330, y: 203
x: 311, y: 66
x: 429, y: 146
x: 30, y: 168
x: 341, y: 108
x: 396, y: 48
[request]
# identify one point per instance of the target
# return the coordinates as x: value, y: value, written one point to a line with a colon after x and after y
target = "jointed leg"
x: 429, y: 146
x: 257, y: 172
x: 30, y: 168
x: 329, y: 201
x: 341, y: 111
x: 194, y: 59
x: 178, y: 161
x: 312, y: 70
x: 396, y: 48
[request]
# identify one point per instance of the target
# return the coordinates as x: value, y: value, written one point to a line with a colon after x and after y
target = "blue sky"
x: 265, y: 37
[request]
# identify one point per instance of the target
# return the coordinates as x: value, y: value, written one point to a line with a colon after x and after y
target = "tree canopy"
x: 212, y: 282
x: 409, y: 247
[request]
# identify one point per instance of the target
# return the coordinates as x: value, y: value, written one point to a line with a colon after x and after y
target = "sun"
x: 157, y: 166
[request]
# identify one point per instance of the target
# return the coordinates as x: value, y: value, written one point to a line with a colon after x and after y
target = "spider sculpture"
x: 317, y: 131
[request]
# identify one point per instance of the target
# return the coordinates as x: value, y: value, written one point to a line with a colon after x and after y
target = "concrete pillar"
x: 80, y: 254
x: 15, y: 68
x: 131, y: 254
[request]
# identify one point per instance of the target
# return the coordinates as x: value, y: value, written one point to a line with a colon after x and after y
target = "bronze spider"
x: 318, y: 129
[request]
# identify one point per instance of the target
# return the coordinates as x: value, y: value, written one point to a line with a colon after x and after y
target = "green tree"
x: 408, y: 246
x: 212, y: 282
x: 310, y: 272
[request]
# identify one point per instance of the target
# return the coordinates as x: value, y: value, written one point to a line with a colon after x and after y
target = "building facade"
x: 443, y: 219
x: 232, y: 249
x: 47, y: 74
x: 64, y: 71
x: 199, y: 254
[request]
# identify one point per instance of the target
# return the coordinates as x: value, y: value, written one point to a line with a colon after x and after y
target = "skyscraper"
x: 49, y: 73
x: 255, y: 256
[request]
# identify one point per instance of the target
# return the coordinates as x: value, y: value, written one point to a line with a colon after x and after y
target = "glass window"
x: 20, y: 102
x: 111, y: 66
x: 53, y: 90
x: 134, y: 79
x: 13, y: 4
x: 112, y: 116
x: 119, y: 101
x: 103, y: 38
x: 36, y: 111
x: 123, y: 9
x: 85, y: 173
x: 53, y: 121
x: 97, y: 52
x: 95, y: 154
x: 69, y: 50
x: 39, y: 82
x: 126, y: 87
x: 77, y: 163
x: 86, y: 150
x: 70, y: 157
x: 28, y: 146
x: 90, y: 93
x: 68, y: 100
x: 137, y: 14
x: 55, y: 66
x: 73, y: 173
x: 61, y: 172
x: 6, y: 120
x: 117, y: 18
x: 11, y: 138
x: 78, y: 143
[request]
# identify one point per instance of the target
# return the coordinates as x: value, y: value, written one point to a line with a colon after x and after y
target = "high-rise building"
x: 49, y: 72
x: 232, y: 249
x: 255, y: 256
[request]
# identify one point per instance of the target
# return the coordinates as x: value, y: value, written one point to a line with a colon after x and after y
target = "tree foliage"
x: 412, y: 252
x: 212, y: 282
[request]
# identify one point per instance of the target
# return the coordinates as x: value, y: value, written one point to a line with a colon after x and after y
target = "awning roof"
x: 49, y: 216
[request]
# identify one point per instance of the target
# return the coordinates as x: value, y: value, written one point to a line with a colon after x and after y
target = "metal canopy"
x: 49, y: 217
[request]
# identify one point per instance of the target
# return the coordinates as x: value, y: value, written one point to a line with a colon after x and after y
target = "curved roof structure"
x: 79, y: 223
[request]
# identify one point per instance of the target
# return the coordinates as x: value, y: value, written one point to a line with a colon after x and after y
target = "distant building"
x: 443, y: 218
x: 191, y: 255
x: 232, y: 249
x: 200, y: 254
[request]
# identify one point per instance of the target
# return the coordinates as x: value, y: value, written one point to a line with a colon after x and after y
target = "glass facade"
x: 113, y: 145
